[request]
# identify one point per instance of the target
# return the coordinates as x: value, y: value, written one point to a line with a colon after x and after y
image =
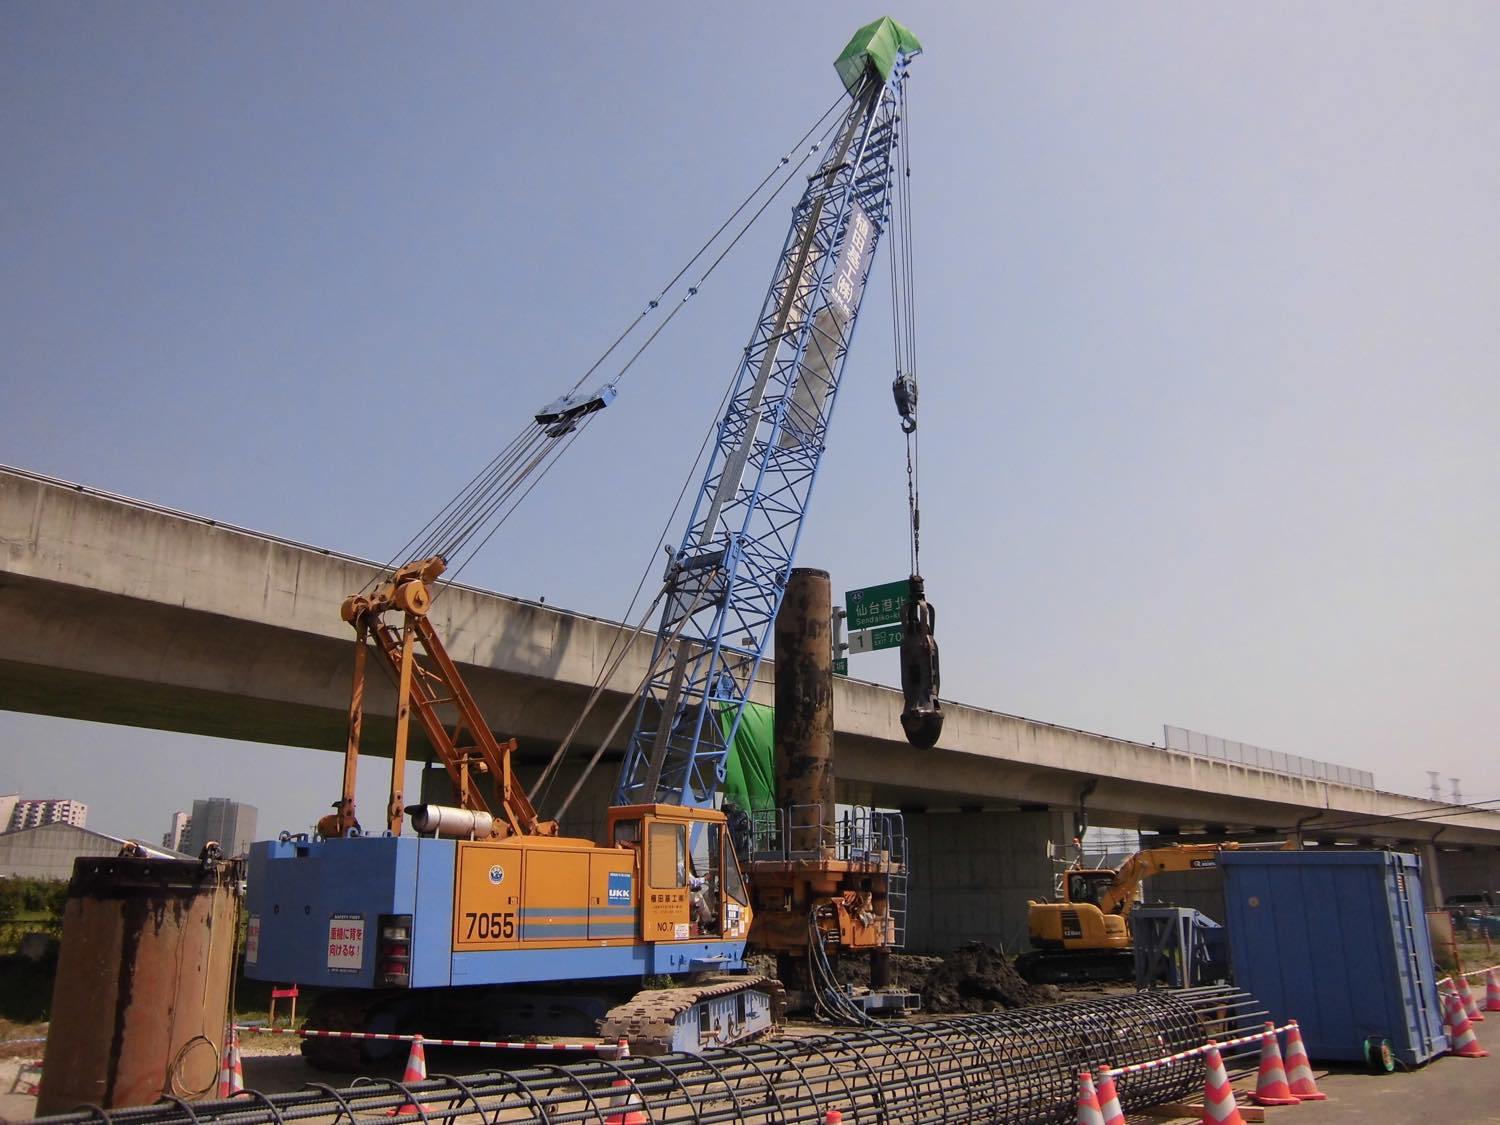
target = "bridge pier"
x: 972, y: 872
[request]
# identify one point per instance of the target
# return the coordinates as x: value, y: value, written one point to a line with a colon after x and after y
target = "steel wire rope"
x: 718, y: 414
x: 501, y: 471
x: 611, y: 664
x: 481, y: 482
x: 692, y: 291
x: 665, y: 289
x: 555, y: 453
x: 443, y: 514
x: 630, y: 701
x: 661, y: 539
x: 451, y: 578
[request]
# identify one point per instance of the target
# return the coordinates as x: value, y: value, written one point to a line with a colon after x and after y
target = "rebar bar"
x: 1016, y: 1067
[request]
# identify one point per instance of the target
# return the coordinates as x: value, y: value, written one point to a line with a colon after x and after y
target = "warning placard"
x: 252, y: 941
x: 346, y: 943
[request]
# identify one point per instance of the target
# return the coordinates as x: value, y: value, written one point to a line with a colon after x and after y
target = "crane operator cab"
x: 690, y: 881
x: 1088, y: 886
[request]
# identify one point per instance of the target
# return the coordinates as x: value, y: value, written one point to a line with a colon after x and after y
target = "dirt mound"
x: 979, y: 978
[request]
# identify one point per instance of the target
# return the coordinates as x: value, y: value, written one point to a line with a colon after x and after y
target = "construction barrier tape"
x: 608, y: 1048
x: 1470, y: 973
x: 1183, y: 1056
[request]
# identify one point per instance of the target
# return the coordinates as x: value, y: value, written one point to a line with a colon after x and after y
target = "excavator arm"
x: 1118, y: 896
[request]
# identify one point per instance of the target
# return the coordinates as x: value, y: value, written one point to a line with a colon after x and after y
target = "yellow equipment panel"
x: 612, y: 896
x: 487, y: 910
x: 555, y: 907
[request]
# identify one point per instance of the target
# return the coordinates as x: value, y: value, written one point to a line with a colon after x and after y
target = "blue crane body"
x: 488, y: 894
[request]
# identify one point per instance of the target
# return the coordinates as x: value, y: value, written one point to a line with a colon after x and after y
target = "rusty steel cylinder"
x: 804, y: 709
x: 141, y: 1001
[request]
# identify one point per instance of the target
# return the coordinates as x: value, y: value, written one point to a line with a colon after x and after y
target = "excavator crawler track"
x: 650, y: 1020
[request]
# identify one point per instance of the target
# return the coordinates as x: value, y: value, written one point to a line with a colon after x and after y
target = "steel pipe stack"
x: 1016, y: 1067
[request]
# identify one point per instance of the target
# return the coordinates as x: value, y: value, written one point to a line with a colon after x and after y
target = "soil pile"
x: 979, y: 978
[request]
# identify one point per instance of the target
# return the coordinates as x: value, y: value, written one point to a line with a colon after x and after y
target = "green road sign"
x: 877, y: 605
x: 841, y: 666
x: 869, y: 640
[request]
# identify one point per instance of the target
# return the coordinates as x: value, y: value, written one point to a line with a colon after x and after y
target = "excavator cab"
x: 1086, y: 886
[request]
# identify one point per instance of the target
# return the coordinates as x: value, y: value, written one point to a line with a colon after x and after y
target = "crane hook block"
x: 561, y: 416
x: 905, y: 391
x: 922, y: 717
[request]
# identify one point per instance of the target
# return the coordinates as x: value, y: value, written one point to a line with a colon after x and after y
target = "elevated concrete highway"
x: 118, y: 611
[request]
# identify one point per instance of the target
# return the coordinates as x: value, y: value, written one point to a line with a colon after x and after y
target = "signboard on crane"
x: 853, y: 263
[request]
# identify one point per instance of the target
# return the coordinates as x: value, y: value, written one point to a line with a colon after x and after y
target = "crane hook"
x: 905, y: 391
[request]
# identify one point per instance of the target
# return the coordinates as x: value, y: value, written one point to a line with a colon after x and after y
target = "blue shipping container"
x: 1336, y: 940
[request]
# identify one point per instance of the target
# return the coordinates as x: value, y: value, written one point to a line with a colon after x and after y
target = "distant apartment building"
x: 176, y: 837
x: 47, y: 810
x: 218, y: 818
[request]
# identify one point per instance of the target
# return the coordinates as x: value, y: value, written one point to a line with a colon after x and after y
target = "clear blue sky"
x: 1207, y: 333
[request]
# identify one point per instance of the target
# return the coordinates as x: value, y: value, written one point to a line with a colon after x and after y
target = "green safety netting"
x: 750, y: 770
x: 874, y: 45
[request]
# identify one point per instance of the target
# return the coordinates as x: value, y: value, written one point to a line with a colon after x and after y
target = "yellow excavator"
x: 1086, y: 936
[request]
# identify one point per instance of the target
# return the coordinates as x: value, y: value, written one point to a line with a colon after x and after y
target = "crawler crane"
x: 488, y: 919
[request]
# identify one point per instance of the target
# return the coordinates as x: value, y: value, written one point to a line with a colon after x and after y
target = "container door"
x: 1415, y: 972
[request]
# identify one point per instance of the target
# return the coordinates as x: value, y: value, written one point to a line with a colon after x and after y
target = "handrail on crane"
x: 469, y: 751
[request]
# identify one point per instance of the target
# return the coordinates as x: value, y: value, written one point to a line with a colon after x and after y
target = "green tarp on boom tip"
x: 750, y: 766
x: 874, y: 46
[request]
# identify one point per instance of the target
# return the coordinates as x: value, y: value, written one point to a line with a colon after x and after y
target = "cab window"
x: 668, y: 860
x: 734, y: 883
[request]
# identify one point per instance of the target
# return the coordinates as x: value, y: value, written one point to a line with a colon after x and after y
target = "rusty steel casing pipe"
x: 804, y: 707
x: 141, y: 1001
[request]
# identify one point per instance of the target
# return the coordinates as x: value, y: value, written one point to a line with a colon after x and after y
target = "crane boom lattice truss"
x: 725, y: 581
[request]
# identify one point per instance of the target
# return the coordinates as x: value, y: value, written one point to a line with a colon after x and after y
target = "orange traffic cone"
x: 833, y: 1117
x: 627, y: 1109
x: 1491, y: 991
x: 1219, y: 1106
x: 1461, y: 1031
x: 1298, y: 1069
x: 1089, y: 1112
x: 231, y: 1071
x: 1471, y: 1009
x: 1270, y: 1083
x: 1109, y: 1099
x: 416, y: 1071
